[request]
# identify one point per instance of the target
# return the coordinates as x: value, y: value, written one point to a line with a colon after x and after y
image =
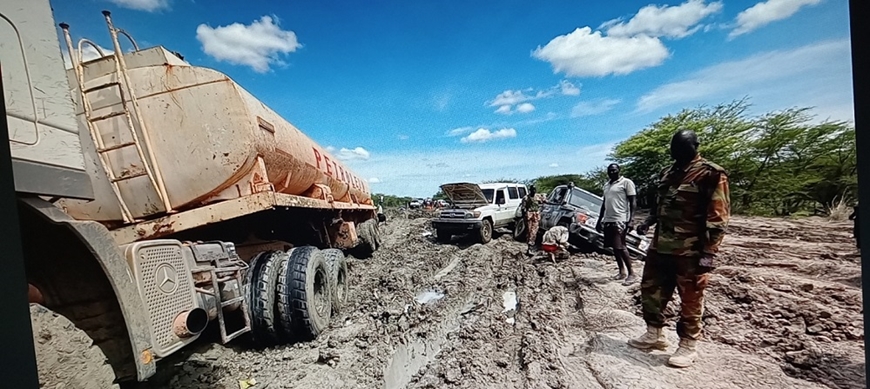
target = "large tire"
x: 485, y: 231
x: 520, y: 232
x: 370, y: 237
x: 252, y: 275
x: 263, y: 307
x: 304, y: 294
x: 337, y: 265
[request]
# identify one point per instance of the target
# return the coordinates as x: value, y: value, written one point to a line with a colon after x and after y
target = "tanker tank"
x: 206, y: 135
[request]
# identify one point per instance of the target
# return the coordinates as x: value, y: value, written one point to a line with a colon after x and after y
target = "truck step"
x: 102, y: 86
x: 129, y: 176
x: 107, y: 116
x: 115, y: 147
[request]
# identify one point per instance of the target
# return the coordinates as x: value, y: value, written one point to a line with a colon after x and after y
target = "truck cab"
x: 478, y: 209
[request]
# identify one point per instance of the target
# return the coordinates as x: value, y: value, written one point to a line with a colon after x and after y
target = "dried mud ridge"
x: 781, y: 312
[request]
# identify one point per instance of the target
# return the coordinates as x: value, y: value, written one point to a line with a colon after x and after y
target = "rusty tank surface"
x: 208, y: 140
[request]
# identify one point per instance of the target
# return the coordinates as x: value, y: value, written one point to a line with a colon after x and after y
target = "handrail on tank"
x: 96, y: 47
x: 135, y: 46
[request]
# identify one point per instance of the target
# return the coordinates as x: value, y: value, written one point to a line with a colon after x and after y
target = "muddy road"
x: 783, y: 310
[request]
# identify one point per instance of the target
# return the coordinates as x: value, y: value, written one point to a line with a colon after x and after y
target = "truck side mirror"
x: 500, y: 201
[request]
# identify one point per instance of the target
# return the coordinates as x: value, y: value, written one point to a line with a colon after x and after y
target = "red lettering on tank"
x: 328, y: 166
x: 317, y: 157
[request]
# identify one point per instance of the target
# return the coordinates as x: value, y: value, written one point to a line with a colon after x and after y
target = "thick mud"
x: 783, y: 310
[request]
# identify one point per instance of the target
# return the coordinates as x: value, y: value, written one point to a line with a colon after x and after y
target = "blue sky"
x: 415, y: 94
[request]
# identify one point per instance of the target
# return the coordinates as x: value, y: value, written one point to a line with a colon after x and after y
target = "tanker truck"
x: 158, y: 198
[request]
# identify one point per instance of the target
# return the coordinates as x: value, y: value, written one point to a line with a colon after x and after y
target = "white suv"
x: 478, y: 209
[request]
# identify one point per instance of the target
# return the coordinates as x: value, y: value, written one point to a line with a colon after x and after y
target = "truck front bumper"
x: 457, y: 226
x: 596, y: 238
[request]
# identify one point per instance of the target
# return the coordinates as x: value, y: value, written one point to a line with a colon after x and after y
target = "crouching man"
x: 692, y: 211
x: 555, y: 243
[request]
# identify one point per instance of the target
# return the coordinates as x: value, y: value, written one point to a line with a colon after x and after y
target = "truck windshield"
x: 488, y: 194
x: 582, y: 199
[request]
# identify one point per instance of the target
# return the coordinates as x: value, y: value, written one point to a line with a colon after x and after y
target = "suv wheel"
x: 485, y: 231
x: 520, y: 232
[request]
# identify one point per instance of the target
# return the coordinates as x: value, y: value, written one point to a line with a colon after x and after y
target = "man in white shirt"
x: 615, y: 219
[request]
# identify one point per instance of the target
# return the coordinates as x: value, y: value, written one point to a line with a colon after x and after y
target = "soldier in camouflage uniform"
x: 531, y: 212
x: 692, y: 210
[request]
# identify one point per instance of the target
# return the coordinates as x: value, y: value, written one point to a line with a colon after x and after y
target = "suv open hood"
x: 465, y: 195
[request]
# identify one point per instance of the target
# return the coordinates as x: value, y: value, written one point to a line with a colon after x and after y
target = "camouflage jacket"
x: 693, y: 206
x: 531, y: 204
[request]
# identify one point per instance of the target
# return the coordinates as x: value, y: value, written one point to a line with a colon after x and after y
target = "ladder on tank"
x: 122, y: 82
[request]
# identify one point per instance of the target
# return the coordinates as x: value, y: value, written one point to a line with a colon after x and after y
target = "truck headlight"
x: 473, y: 214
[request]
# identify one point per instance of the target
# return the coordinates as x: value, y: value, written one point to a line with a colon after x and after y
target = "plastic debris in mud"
x: 510, y: 301
x: 429, y: 296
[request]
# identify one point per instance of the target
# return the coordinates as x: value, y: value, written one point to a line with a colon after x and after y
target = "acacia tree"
x: 777, y: 163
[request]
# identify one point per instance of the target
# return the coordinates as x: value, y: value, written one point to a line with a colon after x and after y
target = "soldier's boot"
x: 530, y: 250
x: 652, y: 339
x: 685, y: 354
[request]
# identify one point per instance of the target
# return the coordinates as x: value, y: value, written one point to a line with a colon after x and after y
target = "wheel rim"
x: 321, y: 303
x: 487, y: 230
x: 520, y: 227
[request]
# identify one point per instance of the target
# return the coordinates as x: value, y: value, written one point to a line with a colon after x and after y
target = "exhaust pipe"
x: 190, y: 323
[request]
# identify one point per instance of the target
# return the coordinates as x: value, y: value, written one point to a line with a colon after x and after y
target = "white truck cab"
x: 478, y: 209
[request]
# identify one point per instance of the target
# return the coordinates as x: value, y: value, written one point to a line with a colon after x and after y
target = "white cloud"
x: 554, y: 165
x: 591, y: 108
x: 374, y: 180
x: 664, y: 21
x: 142, y: 5
x: 568, y: 89
x: 357, y: 153
x: 504, y: 110
x: 525, y: 108
x: 505, y: 101
x: 330, y: 149
x: 767, y: 12
x: 257, y: 45
x: 583, y: 53
x: 460, y: 131
x: 816, y: 75
x: 485, y: 135
x: 403, y: 137
x: 401, y: 172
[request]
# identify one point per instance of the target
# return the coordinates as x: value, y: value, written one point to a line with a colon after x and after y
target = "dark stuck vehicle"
x: 577, y: 210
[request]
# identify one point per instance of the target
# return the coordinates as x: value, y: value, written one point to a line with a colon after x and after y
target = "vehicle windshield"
x: 557, y: 196
x: 582, y: 199
x: 488, y: 193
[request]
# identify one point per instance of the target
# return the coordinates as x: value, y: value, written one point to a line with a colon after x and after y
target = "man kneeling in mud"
x: 555, y: 243
x: 692, y: 209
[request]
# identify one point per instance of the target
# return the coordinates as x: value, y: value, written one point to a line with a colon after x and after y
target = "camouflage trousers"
x: 661, y: 275
x: 533, y: 220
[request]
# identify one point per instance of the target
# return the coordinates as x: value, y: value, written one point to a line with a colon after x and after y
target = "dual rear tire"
x: 292, y: 295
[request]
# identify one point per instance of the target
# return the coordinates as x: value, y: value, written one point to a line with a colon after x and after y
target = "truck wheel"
x: 443, y: 236
x: 520, y: 232
x: 485, y: 231
x: 304, y: 294
x: 264, y: 315
x: 252, y: 276
x: 370, y: 238
x: 337, y: 265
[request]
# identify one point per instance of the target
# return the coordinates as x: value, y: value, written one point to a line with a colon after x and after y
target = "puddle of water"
x: 429, y: 297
